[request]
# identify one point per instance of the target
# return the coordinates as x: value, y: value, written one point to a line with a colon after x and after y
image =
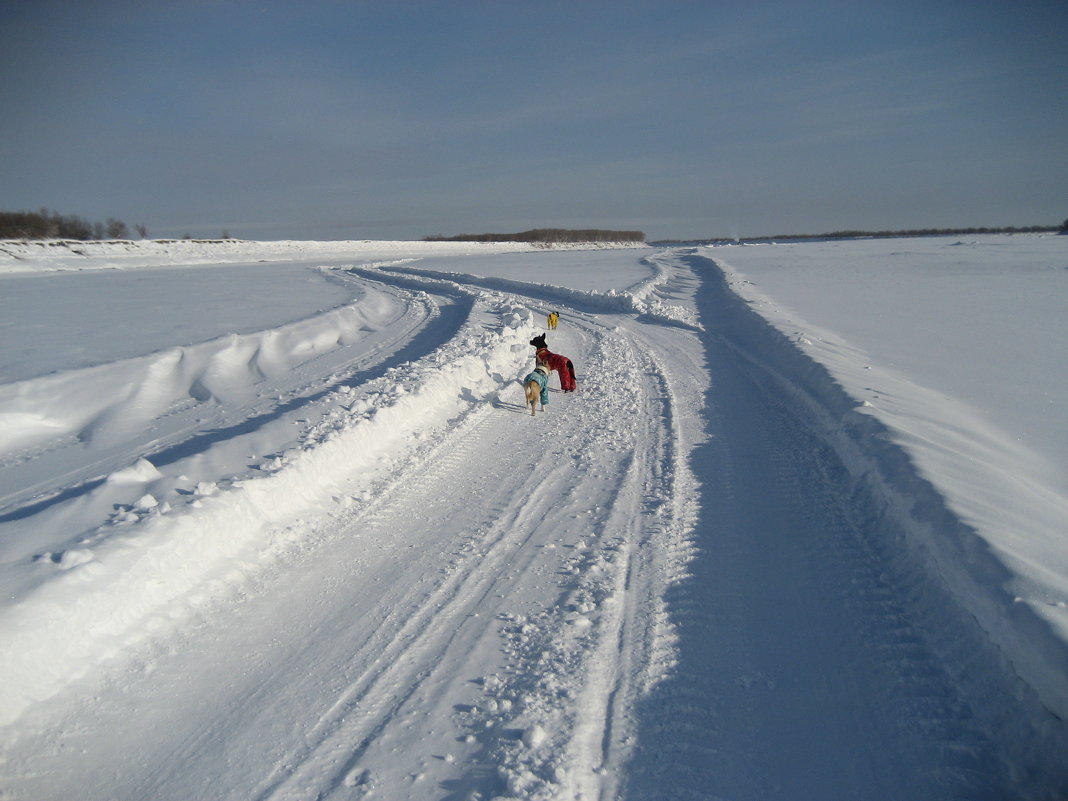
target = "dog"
x: 536, y: 385
x: 561, y: 364
x: 553, y: 319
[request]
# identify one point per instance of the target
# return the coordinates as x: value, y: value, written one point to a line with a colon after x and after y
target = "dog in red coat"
x: 561, y: 364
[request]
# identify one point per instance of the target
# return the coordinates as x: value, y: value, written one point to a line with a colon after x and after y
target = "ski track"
x: 623, y: 606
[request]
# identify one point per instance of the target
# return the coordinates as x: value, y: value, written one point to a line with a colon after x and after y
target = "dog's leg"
x: 532, y: 390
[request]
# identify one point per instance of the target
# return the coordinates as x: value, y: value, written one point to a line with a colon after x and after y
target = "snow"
x: 276, y: 524
x: 959, y: 348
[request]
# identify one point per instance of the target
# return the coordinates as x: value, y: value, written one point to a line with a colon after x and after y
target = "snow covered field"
x: 275, y: 523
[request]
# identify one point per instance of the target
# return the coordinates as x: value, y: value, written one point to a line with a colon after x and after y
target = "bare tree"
x: 117, y: 229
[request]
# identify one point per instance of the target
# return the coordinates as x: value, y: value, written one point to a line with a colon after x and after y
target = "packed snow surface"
x: 276, y: 522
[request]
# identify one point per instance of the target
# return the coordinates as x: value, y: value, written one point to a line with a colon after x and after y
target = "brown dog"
x: 535, y: 385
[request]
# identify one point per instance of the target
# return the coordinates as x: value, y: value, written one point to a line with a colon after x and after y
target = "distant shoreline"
x: 846, y: 235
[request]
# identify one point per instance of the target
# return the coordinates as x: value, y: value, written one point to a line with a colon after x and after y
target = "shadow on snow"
x: 819, y: 653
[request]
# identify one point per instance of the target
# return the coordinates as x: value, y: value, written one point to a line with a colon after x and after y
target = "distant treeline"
x: 1031, y: 229
x: 45, y: 224
x: 547, y: 235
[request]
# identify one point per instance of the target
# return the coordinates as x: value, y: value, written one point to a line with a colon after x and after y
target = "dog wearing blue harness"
x: 536, y: 386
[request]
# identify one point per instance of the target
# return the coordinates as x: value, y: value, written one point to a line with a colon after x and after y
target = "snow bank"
x: 63, y: 254
x: 100, y: 599
x: 112, y: 401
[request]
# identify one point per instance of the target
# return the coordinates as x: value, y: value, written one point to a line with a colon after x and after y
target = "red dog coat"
x: 562, y: 365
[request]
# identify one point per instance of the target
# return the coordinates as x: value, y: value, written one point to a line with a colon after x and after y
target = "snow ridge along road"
x: 679, y: 582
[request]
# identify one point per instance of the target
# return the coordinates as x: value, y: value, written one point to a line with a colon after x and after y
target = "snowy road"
x: 673, y: 584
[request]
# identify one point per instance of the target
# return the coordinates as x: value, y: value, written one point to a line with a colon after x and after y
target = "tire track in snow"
x: 598, y: 500
x: 340, y: 674
x: 413, y: 658
x: 599, y: 644
x: 810, y: 660
x: 657, y: 550
x: 417, y: 632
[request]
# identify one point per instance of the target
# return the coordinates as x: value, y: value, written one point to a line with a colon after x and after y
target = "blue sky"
x: 396, y: 119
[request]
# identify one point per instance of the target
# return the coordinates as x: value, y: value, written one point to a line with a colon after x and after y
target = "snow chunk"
x: 141, y: 472
x: 206, y: 488
x: 534, y: 736
x: 74, y: 558
x: 146, y: 502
